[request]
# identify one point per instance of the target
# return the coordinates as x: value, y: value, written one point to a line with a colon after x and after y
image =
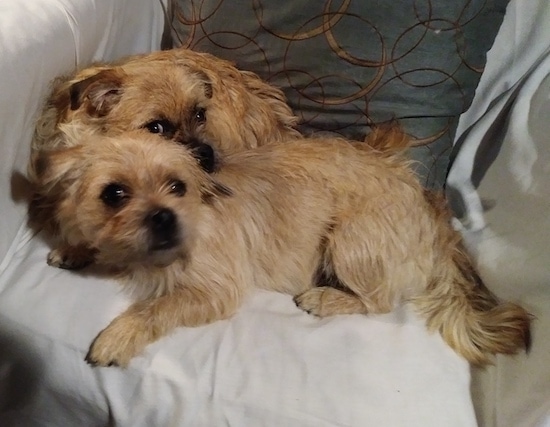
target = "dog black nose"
x: 203, y: 152
x: 164, y: 226
x: 162, y: 219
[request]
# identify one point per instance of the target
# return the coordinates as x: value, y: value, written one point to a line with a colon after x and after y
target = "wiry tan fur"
x: 240, y: 110
x: 114, y: 98
x: 344, y: 230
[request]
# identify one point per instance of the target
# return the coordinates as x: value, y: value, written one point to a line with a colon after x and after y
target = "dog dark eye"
x: 178, y: 187
x: 162, y: 127
x: 200, y: 115
x: 114, y: 195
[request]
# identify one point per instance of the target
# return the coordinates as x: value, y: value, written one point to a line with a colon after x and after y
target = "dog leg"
x: 71, y: 257
x: 326, y: 301
x: 361, y: 273
x: 147, y: 321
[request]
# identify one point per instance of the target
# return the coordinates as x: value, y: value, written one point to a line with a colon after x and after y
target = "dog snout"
x: 163, y: 224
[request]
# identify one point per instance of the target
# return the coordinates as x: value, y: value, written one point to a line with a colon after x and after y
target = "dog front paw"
x: 310, y: 301
x: 326, y: 301
x: 117, y: 344
x: 70, y: 257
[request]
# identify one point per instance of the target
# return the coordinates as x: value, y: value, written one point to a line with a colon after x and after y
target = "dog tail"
x: 389, y: 137
x: 470, y: 318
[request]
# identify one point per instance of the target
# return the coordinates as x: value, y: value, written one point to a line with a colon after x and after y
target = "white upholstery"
x: 271, y: 365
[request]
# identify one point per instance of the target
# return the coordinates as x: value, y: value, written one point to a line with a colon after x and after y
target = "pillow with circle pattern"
x: 345, y: 65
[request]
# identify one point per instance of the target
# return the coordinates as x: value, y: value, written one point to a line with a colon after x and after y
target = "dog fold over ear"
x: 274, y: 98
x: 52, y: 167
x: 98, y: 93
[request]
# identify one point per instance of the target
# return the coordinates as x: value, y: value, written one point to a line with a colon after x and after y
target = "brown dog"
x: 191, y: 98
x: 343, y: 230
x: 180, y: 94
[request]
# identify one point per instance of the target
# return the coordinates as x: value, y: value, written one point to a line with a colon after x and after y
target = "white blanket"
x: 502, y: 175
x: 270, y: 365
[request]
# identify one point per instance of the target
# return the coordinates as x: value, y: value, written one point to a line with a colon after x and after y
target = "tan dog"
x: 343, y: 230
x: 180, y: 94
x: 191, y: 98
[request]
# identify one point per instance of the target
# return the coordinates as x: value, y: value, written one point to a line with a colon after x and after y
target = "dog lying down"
x: 343, y: 230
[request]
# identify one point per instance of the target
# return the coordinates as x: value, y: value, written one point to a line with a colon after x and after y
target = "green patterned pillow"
x: 346, y: 65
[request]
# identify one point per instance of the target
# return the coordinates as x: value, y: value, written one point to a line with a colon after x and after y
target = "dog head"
x: 192, y: 98
x: 133, y: 199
